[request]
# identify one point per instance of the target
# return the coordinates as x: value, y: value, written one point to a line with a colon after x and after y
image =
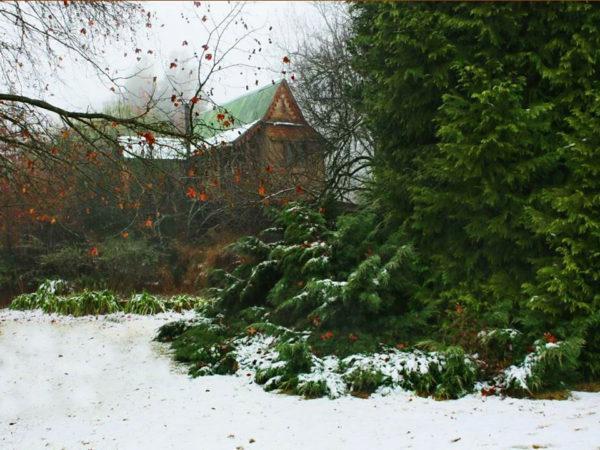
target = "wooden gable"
x: 283, y: 107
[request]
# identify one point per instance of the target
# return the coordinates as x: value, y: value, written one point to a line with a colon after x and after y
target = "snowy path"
x: 102, y: 384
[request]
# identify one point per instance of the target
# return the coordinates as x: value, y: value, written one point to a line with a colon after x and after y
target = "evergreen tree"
x: 485, y: 119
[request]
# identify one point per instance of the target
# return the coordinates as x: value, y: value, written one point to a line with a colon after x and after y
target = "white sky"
x: 81, y: 89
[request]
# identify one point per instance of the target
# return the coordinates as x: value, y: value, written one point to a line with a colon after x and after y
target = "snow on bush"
x: 550, y: 364
x: 307, y: 374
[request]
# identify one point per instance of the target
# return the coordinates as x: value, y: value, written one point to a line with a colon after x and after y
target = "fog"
x: 277, y: 26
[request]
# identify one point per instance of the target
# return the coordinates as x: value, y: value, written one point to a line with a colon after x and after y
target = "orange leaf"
x: 327, y: 335
x: 148, y: 223
x: 191, y: 192
x: 149, y: 137
x: 202, y: 196
x: 262, y: 191
x: 124, y: 234
x: 93, y: 251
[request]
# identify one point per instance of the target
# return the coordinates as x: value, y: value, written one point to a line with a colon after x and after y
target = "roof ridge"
x: 252, y: 92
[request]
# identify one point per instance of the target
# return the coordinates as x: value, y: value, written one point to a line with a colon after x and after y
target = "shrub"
x: 312, y: 388
x: 457, y: 375
x: 124, y: 264
x: 590, y: 352
x: 206, y: 348
x: 69, y: 261
x: 294, y: 359
x: 172, y: 330
x: 365, y: 380
x: 551, y: 365
x: 500, y: 347
x: 296, y: 355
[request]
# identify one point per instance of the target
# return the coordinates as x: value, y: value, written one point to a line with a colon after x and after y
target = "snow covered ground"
x: 103, y: 384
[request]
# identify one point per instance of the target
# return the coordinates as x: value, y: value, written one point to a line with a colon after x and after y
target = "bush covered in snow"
x: 337, y: 309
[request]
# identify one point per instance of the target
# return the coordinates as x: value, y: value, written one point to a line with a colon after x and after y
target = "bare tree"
x: 42, y: 142
x: 325, y: 82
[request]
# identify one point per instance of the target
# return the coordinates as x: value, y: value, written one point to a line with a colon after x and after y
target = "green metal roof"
x: 246, y: 109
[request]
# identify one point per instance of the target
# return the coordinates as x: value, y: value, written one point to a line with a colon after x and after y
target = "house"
x: 257, y: 144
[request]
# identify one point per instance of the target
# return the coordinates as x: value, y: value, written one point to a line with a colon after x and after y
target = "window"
x: 294, y: 153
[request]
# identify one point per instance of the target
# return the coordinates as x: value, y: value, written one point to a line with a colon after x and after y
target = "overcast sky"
x: 281, y: 22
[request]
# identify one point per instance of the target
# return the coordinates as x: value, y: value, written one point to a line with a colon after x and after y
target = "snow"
x: 228, y: 136
x: 288, y: 124
x: 173, y: 148
x: 102, y: 383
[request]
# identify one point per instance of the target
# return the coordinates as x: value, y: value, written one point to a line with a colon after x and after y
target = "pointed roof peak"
x: 246, y: 109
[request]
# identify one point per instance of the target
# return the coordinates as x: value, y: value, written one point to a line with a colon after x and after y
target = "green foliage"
x: 589, y: 359
x: 458, y: 375
x: 500, y: 347
x: 312, y: 389
x: 294, y: 359
x: 144, y: 303
x: 365, y: 380
x: 204, y: 346
x: 84, y: 303
x: 482, y: 228
x: 182, y: 302
x: 296, y: 355
x: 172, y: 330
x: 45, y: 297
x: 550, y: 366
x: 556, y: 365
x: 127, y: 264
x: 25, y: 301
x: 486, y: 160
x: 49, y: 298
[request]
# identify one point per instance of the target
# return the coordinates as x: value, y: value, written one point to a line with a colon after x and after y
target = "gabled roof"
x: 245, y: 110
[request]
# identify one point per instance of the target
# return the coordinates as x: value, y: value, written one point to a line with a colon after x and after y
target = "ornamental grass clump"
x: 182, y: 302
x: 85, y: 303
x: 144, y: 303
x: 45, y: 297
x: 25, y: 301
